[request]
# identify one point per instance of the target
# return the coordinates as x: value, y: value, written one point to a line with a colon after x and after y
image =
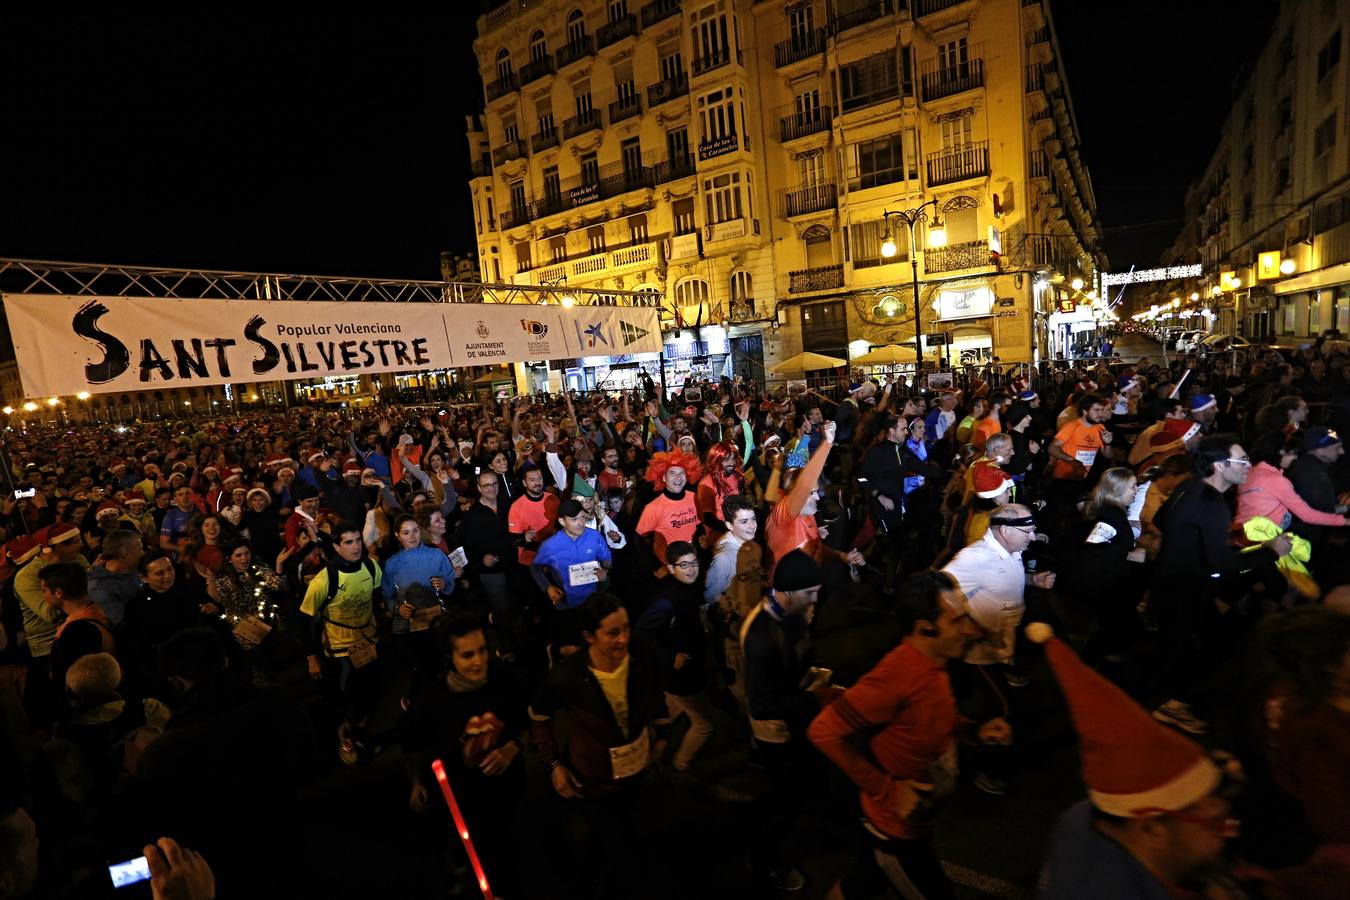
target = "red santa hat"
x: 989, y: 481
x: 133, y: 496
x: 313, y: 455
x: 351, y: 466
x: 277, y: 460
x: 108, y: 506
x: 60, y: 533
x: 23, y: 548
x: 1133, y: 765
x: 258, y: 490
x: 1172, y: 437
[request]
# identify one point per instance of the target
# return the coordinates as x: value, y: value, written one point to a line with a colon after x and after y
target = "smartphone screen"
x: 133, y: 871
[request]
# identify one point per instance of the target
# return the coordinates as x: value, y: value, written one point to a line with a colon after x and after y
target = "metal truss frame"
x: 30, y: 276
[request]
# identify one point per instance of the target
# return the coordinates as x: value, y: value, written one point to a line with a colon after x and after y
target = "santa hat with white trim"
x: 1202, y: 402
x: 1133, y: 765
x: 989, y: 481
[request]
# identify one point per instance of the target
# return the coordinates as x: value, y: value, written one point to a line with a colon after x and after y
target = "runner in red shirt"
x: 534, y: 515
x: 906, y: 708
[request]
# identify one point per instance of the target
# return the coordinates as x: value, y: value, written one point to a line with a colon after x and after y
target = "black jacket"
x: 1195, y: 523
x: 1312, y: 480
x: 571, y: 688
x: 483, y: 531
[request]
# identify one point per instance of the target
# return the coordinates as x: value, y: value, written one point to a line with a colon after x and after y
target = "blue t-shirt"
x: 560, y: 553
x: 1084, y: 862
x: 175, y: 524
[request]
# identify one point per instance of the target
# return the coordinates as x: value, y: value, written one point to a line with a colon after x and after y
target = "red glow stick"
x: 462, y: 828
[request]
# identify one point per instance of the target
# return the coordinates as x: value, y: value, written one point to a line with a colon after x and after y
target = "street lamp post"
x: 937, y: 237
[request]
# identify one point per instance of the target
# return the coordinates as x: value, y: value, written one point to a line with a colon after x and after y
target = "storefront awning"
x: 1321, y: 278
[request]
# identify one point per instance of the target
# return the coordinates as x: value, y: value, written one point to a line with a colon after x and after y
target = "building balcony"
x: 1035, y: 78
x: 821, y: 278
x: 717, y: 60
x: 515, y: 217
x: 508, y: 151
x: 865, y: 12
x: 861, y: 181
x: 667, y: 89
x: 1038, y: 165
x: 502, y: 86
x: 481, y: 167
x: 953, y: 80
x: 971, y: 161
x: 802, y: 46
x: 581, y: 123
x: 659, y: 10
x: 575, y: 51
x: 543, y: 140
x: 718, y: 146
x: 625, y: 108
x: 633, y: 179
x: 671, y: 169
x: 536, y: 69
x: 802, y: 124
x: 613, y: 32
x: 879, y: 94
x: 804, y: 200
x: 928, y: 7
x: 967, y: 255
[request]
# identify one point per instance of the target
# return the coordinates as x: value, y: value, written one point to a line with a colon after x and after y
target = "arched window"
x: 650, y: 295
x: 742, y: 296
x: 742, y: 286
x: 576, y: 27
x: 503, y: 63
x: 691, y: 292
x: 538, y: 46
x: 816, y: 234
x: 819, y: 246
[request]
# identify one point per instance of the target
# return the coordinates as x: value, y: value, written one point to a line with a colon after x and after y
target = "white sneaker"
x: 1179, y: 714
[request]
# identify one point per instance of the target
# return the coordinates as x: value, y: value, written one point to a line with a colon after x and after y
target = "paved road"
x: 991, y: 846
x: 1133, y: 346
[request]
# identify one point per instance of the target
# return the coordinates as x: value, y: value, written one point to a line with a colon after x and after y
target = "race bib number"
x: 1101, y: 534
x: 630, y: 759
x: 583, y: 573
x: 250, y: 631
x: 458, y: 558
x: 362, y: 654
x: 422, y: 618
x: 1086, y: 457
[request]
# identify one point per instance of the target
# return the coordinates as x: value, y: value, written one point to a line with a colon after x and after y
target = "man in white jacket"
x: 991, y: 574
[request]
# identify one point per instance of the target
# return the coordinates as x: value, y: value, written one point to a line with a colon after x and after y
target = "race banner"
x: 66, y: 344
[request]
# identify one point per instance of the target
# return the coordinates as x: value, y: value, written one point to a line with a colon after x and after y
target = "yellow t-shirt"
x: 349, y: 618
x: 615, y: 686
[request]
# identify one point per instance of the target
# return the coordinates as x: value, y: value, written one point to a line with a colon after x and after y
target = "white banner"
x: 65, y: 344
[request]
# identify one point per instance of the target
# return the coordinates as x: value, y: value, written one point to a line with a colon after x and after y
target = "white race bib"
x: 1086, y: 457
x: 632, y: 758
x: 251, y: 630
x: 583, y: 573
x: 1101, y: 534
x: 458, y: 558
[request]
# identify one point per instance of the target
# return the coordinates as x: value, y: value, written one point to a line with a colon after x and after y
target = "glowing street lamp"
x: 30, y: 406
x: 1076, y: 283
x: 937, y: 237
x: 1287, y: 266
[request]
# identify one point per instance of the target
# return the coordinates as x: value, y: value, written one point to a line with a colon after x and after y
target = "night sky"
x: 298, y: 143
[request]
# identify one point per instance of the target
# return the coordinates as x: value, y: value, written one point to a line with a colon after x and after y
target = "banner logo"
x: 483, y: 331
x: 594, y: 332
x: 534, y: 328
x: 631, y: 332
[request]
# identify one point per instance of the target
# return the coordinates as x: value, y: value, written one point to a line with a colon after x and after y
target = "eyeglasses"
x: 1241, y: 461
x: 687, y: 565
x: 1025, y: 529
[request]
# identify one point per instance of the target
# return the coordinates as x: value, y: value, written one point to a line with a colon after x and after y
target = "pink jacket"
x: 1268, y: 493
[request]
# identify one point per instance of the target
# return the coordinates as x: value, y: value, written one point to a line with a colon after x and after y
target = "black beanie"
x: 796, y: 571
